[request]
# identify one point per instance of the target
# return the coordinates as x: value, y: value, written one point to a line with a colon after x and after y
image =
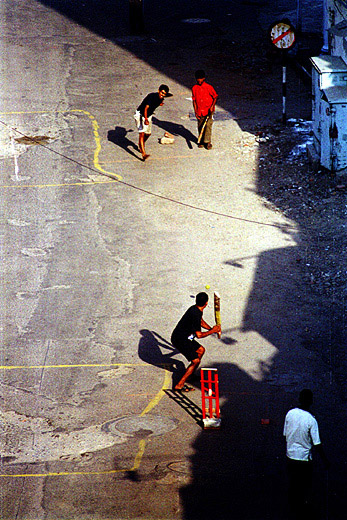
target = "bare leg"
x: 191, y: 368
x: 142, y: 139
x: 142, y: 142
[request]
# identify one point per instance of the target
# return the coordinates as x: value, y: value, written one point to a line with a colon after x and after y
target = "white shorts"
x: 140, y: 123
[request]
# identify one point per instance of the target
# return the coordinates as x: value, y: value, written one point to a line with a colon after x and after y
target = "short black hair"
x: 201, y: 299
x: 199, y: 74
x: 164, y: 87
x: 306, y: 397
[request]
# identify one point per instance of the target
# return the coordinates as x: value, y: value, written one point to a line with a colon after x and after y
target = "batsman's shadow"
x: 118, y: 136
x: 176, y: 129
x: 187, y: 404
x: 151, y: 346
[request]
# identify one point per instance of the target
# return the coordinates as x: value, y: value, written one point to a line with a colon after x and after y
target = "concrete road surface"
x: 102, y: 255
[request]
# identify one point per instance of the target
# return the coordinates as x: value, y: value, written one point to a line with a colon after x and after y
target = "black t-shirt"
x: 153, y: 101
x: 188, y: 324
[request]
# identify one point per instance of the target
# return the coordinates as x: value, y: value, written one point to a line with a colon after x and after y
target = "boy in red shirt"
x: 204, y: 101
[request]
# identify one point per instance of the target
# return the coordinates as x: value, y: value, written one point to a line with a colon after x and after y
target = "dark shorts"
x: 187, y: 347
x: 299, y: 491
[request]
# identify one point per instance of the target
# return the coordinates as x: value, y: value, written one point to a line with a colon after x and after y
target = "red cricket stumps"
x: 210, y: 398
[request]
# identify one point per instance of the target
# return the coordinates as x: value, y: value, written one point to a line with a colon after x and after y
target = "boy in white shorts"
x: 143, y: 115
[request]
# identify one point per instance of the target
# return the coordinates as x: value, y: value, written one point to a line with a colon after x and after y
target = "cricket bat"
x: 217, y: 311
x: 203, y: 129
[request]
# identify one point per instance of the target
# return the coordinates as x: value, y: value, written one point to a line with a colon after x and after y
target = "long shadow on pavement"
x: 118, y: 136
x: 176, y: 129
x: 151, y: 347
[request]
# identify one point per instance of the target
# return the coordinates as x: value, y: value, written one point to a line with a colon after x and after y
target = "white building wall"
x: 337, y: 13
x: 329, y: 83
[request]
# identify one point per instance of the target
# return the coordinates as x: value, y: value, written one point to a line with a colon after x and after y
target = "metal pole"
x: 284, y: 87
x: 325, y: 48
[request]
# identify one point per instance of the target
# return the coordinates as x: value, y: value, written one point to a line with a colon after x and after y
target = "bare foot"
x: 184, y: 388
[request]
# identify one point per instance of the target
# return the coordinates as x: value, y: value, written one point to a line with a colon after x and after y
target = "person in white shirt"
x: 302, y: 434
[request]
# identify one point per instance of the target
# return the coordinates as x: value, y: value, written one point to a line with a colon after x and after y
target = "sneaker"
x: 208, y: 146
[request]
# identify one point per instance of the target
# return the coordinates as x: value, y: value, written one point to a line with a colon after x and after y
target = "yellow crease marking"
x: 96, y: 139
x: 19, y: 367
x: 149, y: 407
x: 64, y: 473
x: 159, y: 395
x: 139, y: 455
x: 142, y: 443
x: 89, y: 183
x: 97, y: 142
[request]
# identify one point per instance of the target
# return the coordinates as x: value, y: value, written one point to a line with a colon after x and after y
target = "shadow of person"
x: 151, y: 345
x: 118, y: 136
x: 176, y: 129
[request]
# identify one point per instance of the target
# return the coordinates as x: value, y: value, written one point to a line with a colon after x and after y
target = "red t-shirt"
x: 203, y: 95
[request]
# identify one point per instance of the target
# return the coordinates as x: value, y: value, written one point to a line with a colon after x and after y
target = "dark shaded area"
x: 107, y: 18
x: 187, y: 404
x: 114, y: 18
x: 227, y: 340
x: 132, y: 475
x: 176, y: 129
x: 239, y: 471
x: 136, y: 16
x: 277, y: 307
x: 152, y: 350
x: 118, y: 136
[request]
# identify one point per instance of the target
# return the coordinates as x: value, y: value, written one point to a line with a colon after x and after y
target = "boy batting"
x: 183, y: 337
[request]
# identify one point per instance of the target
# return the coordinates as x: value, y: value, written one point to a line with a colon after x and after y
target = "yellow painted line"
x: 142, y: 443
x: 89, y: 183
x: 98, y: 143
x: 64, y: 473
x: 139, y: 455
x: 96, y: 135
x: 159, y: 395
x: 92, y: 365
x: 149, y: 407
